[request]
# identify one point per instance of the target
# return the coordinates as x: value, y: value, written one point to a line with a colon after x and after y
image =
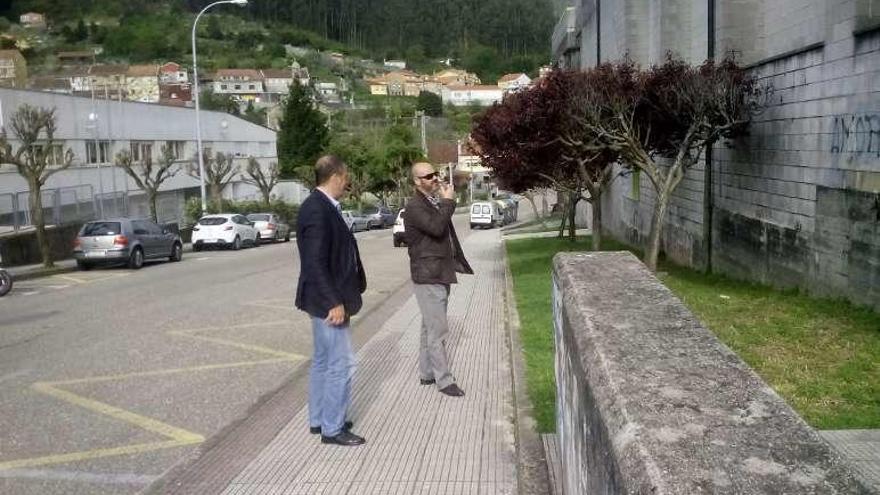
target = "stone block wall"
x: 796, y: 203
x: 650, y: 402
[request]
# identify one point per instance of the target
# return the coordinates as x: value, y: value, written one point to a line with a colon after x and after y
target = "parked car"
x: 398, y: 231
x: 379, y: 217
x: 125, y: 241
x: 486, y: 214
x: 355, y: 221
x: 224, y: 230
x: 271, y: 227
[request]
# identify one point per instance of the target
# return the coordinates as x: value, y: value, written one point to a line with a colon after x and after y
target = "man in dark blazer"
x: 331, y: 282
x: 435, y: 256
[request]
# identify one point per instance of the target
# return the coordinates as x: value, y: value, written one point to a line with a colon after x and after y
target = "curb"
x: 58, y: 270
x: 43, y: 272
x: 533, y: 476
x: 538, y: 235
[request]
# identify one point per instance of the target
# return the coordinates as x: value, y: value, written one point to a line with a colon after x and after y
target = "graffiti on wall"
x: 856, y: 134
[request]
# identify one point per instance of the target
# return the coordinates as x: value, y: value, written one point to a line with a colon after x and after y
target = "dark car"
x: 125, y: 241
x: 378, y: 217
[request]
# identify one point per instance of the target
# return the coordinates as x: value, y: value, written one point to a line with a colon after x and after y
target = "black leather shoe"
x: 452, y: 391
x: 345, y: 438
x: 315, y: 430
x: 431, y: 381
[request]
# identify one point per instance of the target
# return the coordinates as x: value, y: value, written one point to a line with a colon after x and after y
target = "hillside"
x: 489, y: 37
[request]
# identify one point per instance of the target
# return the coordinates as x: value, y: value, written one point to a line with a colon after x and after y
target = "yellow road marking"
x: 207, y: 367
x: 177, y: 436
x: 92, y: 454
x: 143, y: 422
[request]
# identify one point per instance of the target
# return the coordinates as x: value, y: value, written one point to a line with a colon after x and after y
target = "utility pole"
x: 421, y: 114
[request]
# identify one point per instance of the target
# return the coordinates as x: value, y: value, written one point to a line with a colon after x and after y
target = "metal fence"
x: 61, y: 206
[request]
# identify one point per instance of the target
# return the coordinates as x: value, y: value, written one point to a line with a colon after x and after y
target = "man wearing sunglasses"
x: 435, y: 257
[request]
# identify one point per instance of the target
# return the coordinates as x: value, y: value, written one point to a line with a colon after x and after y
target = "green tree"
x: 430, y: 103
x: 302, y: 135
x: 208, y: 100
x: 252, y: 114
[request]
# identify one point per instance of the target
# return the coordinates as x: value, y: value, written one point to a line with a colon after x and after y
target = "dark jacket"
x: 330, y: 272
x: 435, y: 254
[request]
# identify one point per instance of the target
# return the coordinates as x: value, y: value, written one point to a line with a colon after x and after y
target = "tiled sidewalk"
x: 418, y: 440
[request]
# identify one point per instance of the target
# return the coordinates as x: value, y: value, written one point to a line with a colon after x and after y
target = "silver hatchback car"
x: 125, y: 241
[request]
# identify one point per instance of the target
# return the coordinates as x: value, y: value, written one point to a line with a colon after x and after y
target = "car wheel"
x: 197, y: 247
x: 236, y: 244
x: 176, y: 253
x: 257, y: 241
x: 82, y: 265
x: 287, y: 236
x: 136, y: 260
x: 5, y: 282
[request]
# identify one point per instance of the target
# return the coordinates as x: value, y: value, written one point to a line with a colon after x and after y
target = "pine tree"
x: 302, y: 136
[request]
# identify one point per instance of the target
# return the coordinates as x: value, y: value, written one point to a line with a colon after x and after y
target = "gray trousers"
x: 433, y: 300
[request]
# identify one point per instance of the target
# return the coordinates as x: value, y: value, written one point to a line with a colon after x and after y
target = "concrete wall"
x: 797, y: 202
x: 650, y: 402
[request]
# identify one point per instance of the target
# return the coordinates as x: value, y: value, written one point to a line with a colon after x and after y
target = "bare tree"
x: 219, y: 172
x: 264, y: 181
x: 36, y: 159
x: 147, y: 177
x: 661, y: 120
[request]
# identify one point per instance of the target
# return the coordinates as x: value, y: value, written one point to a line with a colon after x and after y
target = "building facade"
x: 796, y: 203
x: 461, y: 96
x: 13, y: 69
x: 142, y: 83
x: 242, y: 84
x: 97, y: 130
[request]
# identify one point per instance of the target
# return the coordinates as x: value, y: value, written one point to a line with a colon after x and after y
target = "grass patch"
x: 822, y: 356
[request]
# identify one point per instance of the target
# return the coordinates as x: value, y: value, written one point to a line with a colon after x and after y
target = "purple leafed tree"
x: 533, y: 140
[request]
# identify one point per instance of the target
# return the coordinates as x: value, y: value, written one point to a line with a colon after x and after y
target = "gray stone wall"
x: 797, y: 202
x: 650, y: 402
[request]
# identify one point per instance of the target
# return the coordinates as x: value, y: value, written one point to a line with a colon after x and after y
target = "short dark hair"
x: 327, y: 166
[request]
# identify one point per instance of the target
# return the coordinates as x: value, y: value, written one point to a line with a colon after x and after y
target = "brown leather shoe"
x: 452, y: 391
x: 344, y: 438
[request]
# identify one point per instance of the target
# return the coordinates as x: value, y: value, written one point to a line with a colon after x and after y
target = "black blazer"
x: 331, y: 272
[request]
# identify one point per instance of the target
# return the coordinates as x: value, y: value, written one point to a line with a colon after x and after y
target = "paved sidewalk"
x: 419, y: 441
x: 861, y: 450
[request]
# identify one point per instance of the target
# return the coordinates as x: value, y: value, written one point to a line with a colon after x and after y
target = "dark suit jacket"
x: 435, y: 254
x: 331, y: 272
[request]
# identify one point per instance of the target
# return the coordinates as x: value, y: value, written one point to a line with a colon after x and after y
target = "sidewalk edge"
x: 533, y: 477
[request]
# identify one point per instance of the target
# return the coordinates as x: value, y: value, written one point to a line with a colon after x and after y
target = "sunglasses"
x: 431, y: 176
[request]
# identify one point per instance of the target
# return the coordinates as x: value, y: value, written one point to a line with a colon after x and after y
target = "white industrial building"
x: 96, y: 130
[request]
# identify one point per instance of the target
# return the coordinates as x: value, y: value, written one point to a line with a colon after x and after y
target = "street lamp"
x: 240, y: 3
x: 93, y: 124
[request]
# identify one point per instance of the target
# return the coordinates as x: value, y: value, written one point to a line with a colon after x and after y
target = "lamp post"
x: 240, y: 3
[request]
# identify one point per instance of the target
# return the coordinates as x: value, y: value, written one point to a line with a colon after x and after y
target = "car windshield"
x: 371, y: 210
x: 102, y: 228
x: 212, y: 221
x: 258, y: 218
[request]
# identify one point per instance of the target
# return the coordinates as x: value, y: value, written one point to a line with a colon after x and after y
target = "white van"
x: 486, y: 214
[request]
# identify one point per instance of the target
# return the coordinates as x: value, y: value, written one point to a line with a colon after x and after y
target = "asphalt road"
x: 109, y: 377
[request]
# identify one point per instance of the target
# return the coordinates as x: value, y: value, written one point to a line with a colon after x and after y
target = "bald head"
x: 421, y: 168
x: 425, y: 178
